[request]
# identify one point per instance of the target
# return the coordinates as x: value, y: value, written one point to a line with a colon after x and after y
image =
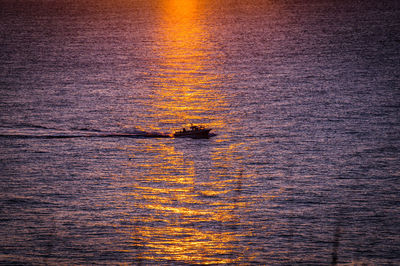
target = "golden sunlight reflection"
x: 185, y: 216
x: 187, y: 209
x: 186, y: 81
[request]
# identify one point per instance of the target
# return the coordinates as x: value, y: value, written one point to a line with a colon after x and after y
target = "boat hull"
x: 198, y: 134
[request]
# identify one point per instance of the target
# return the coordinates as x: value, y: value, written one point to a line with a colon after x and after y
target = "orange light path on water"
x: 185, y: 82
x: 187, y: 211
x: 172, y: 196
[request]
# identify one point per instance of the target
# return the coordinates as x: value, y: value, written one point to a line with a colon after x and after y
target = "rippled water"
x: 304, y: 99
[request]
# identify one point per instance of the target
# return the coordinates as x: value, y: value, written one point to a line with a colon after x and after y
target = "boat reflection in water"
x: 187, y: 199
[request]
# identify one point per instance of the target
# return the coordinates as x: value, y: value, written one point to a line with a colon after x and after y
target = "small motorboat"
x: 195, y: 132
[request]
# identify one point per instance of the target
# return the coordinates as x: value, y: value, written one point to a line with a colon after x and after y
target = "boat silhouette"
x: 195, y: 132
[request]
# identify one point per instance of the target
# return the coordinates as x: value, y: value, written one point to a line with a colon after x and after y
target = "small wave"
x: 29, y: 125
x: 86, y: 129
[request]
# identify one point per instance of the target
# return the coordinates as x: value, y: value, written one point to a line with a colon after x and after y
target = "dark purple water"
x: 304, y: 98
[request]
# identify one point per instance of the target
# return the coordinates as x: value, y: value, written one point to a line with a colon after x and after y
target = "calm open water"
x: 304, y: 97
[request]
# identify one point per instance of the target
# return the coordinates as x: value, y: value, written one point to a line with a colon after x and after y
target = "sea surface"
x: 303, y: 96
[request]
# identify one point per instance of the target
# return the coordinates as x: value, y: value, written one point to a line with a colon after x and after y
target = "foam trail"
x: 100, y: 135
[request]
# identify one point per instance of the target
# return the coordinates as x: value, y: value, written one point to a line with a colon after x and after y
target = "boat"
x: 195, y: 132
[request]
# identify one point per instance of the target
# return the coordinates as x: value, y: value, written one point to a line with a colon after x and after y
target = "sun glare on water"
x: 174, y: 198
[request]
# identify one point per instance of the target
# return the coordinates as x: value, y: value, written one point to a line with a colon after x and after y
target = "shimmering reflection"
x: 186, y: 78
x: 190, y: 208
x: 184, y: 216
